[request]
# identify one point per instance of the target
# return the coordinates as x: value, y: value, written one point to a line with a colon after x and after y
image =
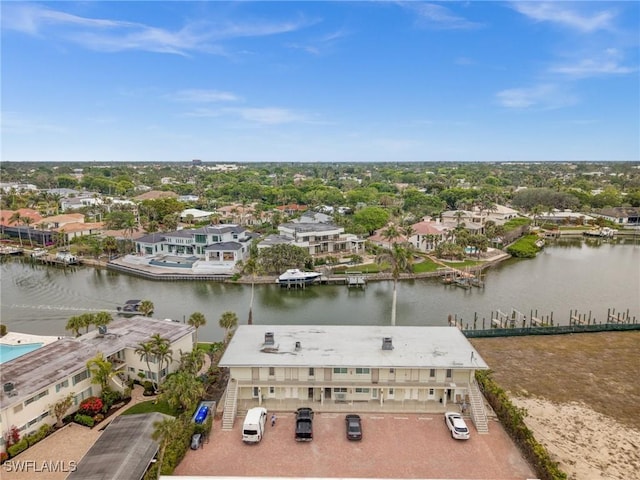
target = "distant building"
x: 626, y: 216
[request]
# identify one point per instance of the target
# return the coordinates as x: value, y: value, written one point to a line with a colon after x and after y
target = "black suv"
x: 354, y: 427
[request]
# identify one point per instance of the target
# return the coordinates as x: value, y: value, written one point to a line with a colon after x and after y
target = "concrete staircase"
x: 478, y: 413
x: 230, y: 405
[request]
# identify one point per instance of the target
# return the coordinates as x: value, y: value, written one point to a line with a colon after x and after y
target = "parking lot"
x: 393, y: 446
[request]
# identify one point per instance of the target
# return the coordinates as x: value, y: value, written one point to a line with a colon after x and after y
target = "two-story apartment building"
x: 34, y: 382
x: 379, y: 368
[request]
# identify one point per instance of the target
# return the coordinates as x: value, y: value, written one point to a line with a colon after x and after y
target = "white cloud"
x: 436, y: 15
x: 567, y: 14
x: 203, y: 96
x: 14, y: 122
x: 113, y: 36
x: 267, y: 116
x: 607, y: 63
x: 542, y: 97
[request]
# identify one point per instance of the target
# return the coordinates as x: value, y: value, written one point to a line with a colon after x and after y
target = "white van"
x: 253, y: 427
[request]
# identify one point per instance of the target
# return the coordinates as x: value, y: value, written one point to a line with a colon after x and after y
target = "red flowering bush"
x: 91, y: 406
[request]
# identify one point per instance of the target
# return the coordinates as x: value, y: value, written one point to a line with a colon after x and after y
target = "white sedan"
x: 456, y: 425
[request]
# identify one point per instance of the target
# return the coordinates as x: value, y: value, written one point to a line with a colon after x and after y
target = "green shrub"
x: 85, y: 420
x: 512, y: 419
x: 3, y: 329
x: 19, y: 447
x: 109, y: 397
x: 525, y: 247
x: 148, y: 388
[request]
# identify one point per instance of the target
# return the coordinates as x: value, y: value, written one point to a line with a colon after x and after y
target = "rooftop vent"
x: 269, y: 339
x: 298, y: 346
x: 387, y: 343
x: 8, y: 387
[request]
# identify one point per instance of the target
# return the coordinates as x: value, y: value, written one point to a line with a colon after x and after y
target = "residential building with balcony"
x: 34, y: 382
x: 320, y: 238
x: 330, y: 368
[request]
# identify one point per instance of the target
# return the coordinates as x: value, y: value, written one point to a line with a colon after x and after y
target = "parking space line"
x: 401, y: 418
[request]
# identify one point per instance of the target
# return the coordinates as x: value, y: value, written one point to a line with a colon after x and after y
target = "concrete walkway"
x: 55, y: 456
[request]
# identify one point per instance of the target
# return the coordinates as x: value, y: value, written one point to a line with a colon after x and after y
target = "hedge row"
x: 525, y: 247
x: 512, y: 418
x: 29, y: 440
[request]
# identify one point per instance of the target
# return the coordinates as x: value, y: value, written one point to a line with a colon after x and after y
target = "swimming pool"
x: 9, y: 352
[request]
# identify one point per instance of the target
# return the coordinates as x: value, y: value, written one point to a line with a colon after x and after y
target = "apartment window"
x: 256, y: 392
x: 340, y: 390
x: 390, y: 391
x: 272, y: 390
x: 432, y: 373
x: 362, y: 390
x: 363, y: 371
x: 36, y: 397
x: 431, y: 392
x: 392, y: 371
x: 62, y: 385
x: 449, y: 373
x: 312, y: 372
x: 82, y: 395
x: 272, y: 371
x: 340, y: 370
x: 80, y: 377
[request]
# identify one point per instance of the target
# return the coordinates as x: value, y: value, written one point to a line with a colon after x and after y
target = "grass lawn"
x: 151, y: 406
x: 463, y: 264
x: 599, y: 369
x: 425, y: 266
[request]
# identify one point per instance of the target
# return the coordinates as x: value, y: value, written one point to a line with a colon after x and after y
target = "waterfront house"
x: 624, y: 216
x: 317, y: 238
x: 33, y: 382
x: 378, y: 368
x: 226, y: 243
x: 428, y: 234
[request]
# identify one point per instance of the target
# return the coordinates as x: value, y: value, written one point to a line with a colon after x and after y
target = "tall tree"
x: 400, y: 259
x: 164, y: 432
x: 228, y: 321
x: 390, y: 234
x: 16, y: 218
x: 197, y: 320
x: 145, y: 351
x: 162, y: 353
x: 27, y: 221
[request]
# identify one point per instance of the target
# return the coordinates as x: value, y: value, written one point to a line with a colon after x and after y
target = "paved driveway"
x: 394, y: 446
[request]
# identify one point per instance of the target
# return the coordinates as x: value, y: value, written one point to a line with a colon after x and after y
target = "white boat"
x: 295, y: 276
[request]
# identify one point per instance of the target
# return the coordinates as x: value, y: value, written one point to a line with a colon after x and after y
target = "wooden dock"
x: 355, y: 280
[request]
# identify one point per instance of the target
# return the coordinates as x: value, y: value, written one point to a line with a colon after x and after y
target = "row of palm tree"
x: 85, y: 320
x: 157, y: 350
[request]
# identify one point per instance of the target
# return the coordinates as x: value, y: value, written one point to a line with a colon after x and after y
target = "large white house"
x: 317, y: 238
x: 379, y: 368
x: 33, y: 382
x: 213, y: 243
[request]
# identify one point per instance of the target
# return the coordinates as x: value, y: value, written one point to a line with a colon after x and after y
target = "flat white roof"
x: 335, y: 346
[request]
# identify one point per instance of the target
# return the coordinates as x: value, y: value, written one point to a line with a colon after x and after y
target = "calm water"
x: 575, y: 275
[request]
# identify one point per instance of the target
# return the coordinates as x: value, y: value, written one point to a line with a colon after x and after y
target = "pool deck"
x: 17, y: 338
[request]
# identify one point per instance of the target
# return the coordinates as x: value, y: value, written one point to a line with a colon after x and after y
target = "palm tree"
x: 101, y: 371
x: 458, y: 215
x: 390, y: 233
x: 400, y: 259
x: 110, y: 245
x: 252, y: 267
x: 87, y: 320
x: 16, y: 218
x: 182, y: 390
x: 164, y: 433
x: 102, y: 319
x: 197, y: 320
x: 192, y: 361
x: 145, y: 351
x: 74, y: 324
x: 28, y: 221
x: 162, y: 352
x: 228, y: 321
x: 146, y: 308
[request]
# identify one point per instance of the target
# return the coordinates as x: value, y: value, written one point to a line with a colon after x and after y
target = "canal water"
x: 588, y: 276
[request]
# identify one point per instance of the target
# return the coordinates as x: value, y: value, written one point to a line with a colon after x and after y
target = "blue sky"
x: 320, y: 81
